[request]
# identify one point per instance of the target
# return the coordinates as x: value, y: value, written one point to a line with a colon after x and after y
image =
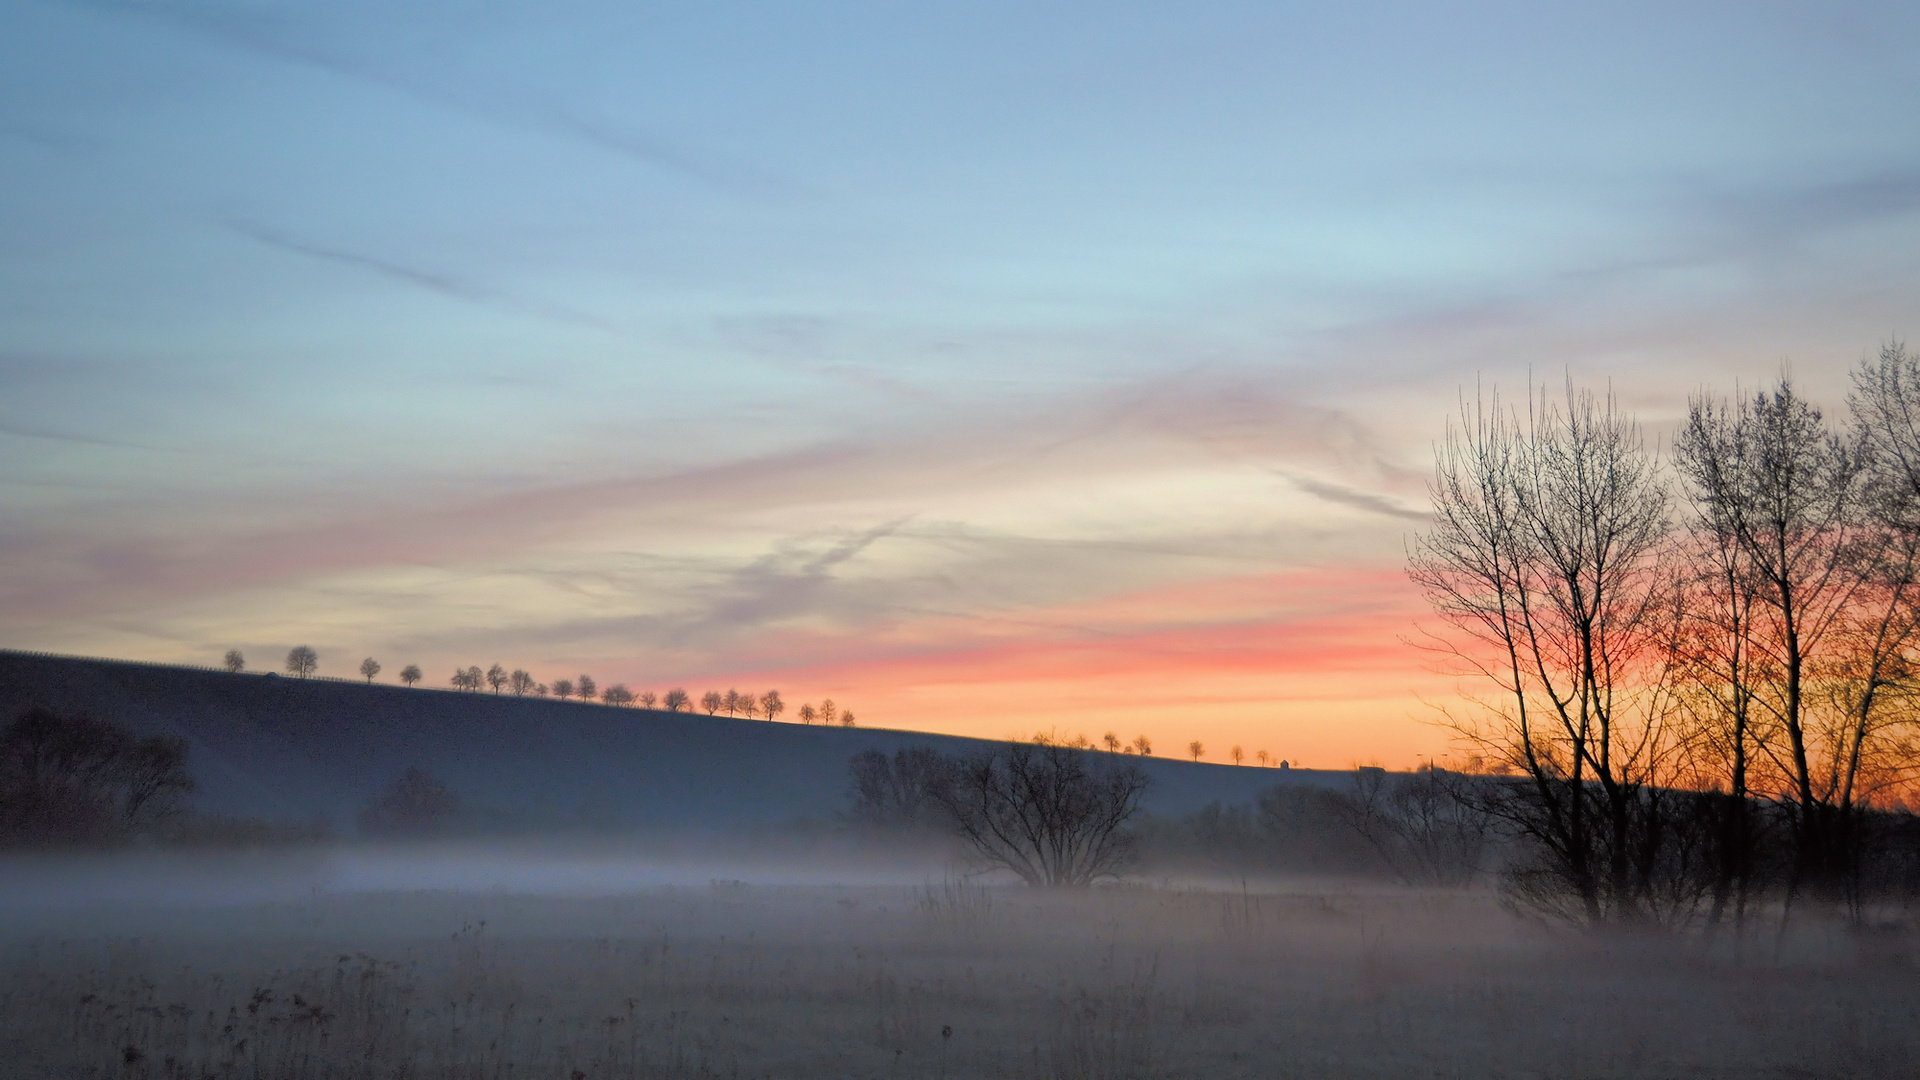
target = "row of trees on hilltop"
x: 1676, y: 656
x: 302, y: 661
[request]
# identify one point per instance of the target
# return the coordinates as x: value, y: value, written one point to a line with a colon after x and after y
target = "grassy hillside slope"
x: 293, y: 750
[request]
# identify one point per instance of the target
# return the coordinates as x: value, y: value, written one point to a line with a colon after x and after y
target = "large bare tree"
x: 1544, y: 563
x: 1781, y: 497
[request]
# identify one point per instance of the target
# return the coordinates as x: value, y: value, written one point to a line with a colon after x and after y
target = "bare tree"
x: 1261, y: 757
x: 369, y: 667
x: 563, y: 688
x: 731, y: 702
x: 235, y: 662
x: 771, y: 704
x: 410, y: 674
x: 1784, y: 497
x: 496, y: 677
x: 648, y: 699
x: 414, y: 805
x: 67, y: 778
x: 677, y: 700
x: 827, y: 712
x: 302, y: 661
x: 474, y: 678
x: 1054, y: 815
x: 1236, y: 755
x: 1426, y: 827
x: 617, y: 694
x: 1111, y: 742
x: 806, y: 713
x: 711, y: 701
x: 584, y: 686
x: 1142, y: 745
x: 1196, y: 749
x: 520, y: 682
x: 1544, y: 564
x: 846, y: 718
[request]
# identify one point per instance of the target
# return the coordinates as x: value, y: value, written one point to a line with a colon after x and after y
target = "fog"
x: 592, y: 867
x: 693, y: 956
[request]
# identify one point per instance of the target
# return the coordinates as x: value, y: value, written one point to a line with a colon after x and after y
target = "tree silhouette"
x: 846, y: 718
x: 585, y: 688
x: 563, y: 688
x: 827, y: 712
x: 520, y: 682
x: 1236, y: 754
x: 1142, y: 745
x: 302, y: 661
x: 617, y: 694
x: 771, y: 704
x: 731, y: 703
x: 410, y: 674
x: 1112, y: 742
x: 1261, y: 757
x: 496, y: 677
x: 1051, y: 814
x: 475, y: 678
x: 71, y: 779
x: 369, y: 667
x: 235, y: 662
x: 649, y: 699
x: 416, y: 804
x: 1196, y: 749
x: 711, y: 701
x: 677, y: 700
x: 806, y: 714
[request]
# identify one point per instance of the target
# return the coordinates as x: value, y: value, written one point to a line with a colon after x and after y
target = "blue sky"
x: 744, y: 342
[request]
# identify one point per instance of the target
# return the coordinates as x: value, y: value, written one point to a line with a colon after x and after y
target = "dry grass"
x: 733, y: 980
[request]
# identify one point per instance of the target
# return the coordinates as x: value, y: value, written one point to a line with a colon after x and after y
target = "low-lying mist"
x: 708, y: 956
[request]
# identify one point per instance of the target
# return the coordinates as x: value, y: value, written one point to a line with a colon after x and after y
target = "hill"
x: 294, y: 750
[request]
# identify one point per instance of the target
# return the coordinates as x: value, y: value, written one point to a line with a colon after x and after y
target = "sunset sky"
x: 989, y: 368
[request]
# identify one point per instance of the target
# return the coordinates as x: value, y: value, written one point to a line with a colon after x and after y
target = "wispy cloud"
x: 303, y: 41
x: 1359, y: 500
x: 431, y: 280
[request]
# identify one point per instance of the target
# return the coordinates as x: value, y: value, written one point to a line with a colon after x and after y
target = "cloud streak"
x: 290, y: 41
x: 432, y: 281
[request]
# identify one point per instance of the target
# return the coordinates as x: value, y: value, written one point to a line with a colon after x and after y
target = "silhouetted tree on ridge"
x: 235, y: 662
x: 302, y: 661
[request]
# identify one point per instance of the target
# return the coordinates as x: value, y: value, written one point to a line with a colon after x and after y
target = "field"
x: 140, y: 969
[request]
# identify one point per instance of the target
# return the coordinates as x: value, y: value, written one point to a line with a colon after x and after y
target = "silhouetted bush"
x: 897, y: 792
x: 415, y: 805
x: 68, y: 779
x: 1055, y: 815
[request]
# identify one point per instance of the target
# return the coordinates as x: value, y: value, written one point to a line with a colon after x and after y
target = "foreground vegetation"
x: 948, y: 979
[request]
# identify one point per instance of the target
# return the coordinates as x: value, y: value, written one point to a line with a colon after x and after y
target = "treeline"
x: 302, y: 662
x: 1698, y: 669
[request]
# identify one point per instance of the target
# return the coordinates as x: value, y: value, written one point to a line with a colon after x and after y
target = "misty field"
x: 731, y: 979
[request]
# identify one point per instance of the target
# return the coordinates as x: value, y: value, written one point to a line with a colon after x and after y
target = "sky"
x: 988, y: 368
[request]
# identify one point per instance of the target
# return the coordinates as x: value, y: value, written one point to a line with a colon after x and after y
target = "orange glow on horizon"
x: 1308, y: 665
